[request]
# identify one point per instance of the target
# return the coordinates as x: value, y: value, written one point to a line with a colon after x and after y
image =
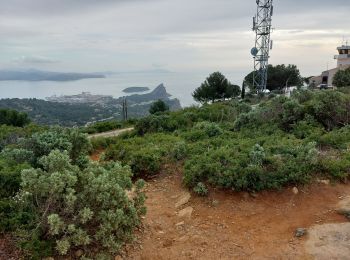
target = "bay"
x: 179, y: 85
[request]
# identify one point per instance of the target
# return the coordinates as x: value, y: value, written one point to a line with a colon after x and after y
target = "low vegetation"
x: 55, y: 201
x: 233, y: 145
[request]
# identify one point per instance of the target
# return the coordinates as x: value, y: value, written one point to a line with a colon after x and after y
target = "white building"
x: 343, y: 62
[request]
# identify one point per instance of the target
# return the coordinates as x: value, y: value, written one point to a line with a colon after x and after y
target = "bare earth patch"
x: 230, y: 225
x: 329, y: 241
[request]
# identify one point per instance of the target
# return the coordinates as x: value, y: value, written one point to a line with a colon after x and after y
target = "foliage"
x: 201, y: 189
x: 235, y: 145
x: 330, y: 108
x: 216, y: 87
x: 210, y: 129
x: 279, y: 77
x: 188, y: 117
x: 145, y: 154
x: 55, y: 113
x: 77, y: 208
x: 342, y: 78
x: 252, y: 170
x: 63, y: 139
x: 158, y: 106
x: 100, y: 127
x: 13, y: 118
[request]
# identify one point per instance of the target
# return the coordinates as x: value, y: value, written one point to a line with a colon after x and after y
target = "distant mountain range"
x: 39, y: 75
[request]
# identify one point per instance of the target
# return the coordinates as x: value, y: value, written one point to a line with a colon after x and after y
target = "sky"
x: 171, y: 35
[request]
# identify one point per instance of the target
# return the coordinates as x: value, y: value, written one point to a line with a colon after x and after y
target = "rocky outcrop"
x: 329, y: 241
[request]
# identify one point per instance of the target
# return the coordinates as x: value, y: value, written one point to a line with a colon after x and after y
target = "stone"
x: 254, y: 195
x: 168, y: 243
x: 325, y: 182
x: 79, y: 253
x: 215, y: 203
x: 180, y: 223
x: 329, y: 241
x: 295, y: 190
x: 300, y: 232
x: 184, y: 199
x: 185, y: 213
x: 343, y: 207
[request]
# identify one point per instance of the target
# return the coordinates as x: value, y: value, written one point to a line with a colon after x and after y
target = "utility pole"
x: 263, y: 44
x: 125, y: 109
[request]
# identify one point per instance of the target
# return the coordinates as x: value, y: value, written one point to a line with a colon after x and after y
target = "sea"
x: 179, y: 85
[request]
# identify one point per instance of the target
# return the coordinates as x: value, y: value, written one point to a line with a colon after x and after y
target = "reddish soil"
x: 96, y: 155
x: 8, y: 250
x: 226, y: 225
x: 229, y: 225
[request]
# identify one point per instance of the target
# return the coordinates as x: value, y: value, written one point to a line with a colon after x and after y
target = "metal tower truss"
x: 263, y: 44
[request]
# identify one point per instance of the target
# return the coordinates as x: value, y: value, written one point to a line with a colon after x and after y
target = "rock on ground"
x: 186, y: 213
x: 329, y: 241
x: 343, y: 207
x: 184, y: 199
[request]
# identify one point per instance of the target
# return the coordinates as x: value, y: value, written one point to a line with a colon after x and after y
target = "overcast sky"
x: 174, y: 35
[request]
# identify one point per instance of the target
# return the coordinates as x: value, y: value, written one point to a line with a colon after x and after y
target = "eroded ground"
x: 230, y: 225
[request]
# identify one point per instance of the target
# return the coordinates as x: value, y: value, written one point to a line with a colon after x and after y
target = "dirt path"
x: 232, y: 225
x: 111, y: 133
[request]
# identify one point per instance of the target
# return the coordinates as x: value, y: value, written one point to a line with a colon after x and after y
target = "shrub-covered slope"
x: 233, y: 145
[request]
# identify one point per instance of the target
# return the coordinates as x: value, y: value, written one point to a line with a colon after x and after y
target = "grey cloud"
x: 35, y: 60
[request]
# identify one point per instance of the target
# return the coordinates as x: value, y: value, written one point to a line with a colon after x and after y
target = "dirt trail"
x: 230, y: 225
x: 111, y: 133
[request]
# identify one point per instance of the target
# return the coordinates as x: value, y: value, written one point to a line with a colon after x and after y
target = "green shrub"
x: 339, y: 138
x: 252, y: 169
x: 291, y: 114
x: 63, y: 139
x: 79, y: 208
x: 257, y: 155
x: 144, y: 163
x: 100, y: 127
x: 330, y: 108
x: 179, y: 151
x: 209, y: 128
x: 158, y: 107
x: 10, y: 177
x: 201, y: 189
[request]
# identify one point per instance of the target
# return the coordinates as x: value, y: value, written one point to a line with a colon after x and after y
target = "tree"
x: 158, y: 106
x: 216, y: 87
x: 13, y: 117
x: 279, y: 77
x: 243, y: 90
x: 342, y: 78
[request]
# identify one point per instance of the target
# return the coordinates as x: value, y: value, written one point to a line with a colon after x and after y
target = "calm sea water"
x: 180, y: 85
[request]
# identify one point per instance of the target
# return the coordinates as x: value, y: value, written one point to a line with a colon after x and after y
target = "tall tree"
x: 342, y: 78
x: 279, y: 77
x: 158, y: 106
x: 216, y: 87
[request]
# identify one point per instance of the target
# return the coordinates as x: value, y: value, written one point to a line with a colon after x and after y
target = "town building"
x: 325, y: 80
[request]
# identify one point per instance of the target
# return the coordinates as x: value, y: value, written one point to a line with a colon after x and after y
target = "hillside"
x: 78, y: 110
x: 235, y: 179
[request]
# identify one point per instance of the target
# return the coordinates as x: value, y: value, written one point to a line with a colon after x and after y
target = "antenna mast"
x: 263, y: 44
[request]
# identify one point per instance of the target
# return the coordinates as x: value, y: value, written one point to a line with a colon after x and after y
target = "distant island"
x: 136, y: 89
x: 39, y: 75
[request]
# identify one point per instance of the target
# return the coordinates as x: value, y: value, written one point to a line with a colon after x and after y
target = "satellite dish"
x: 254, y: 51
